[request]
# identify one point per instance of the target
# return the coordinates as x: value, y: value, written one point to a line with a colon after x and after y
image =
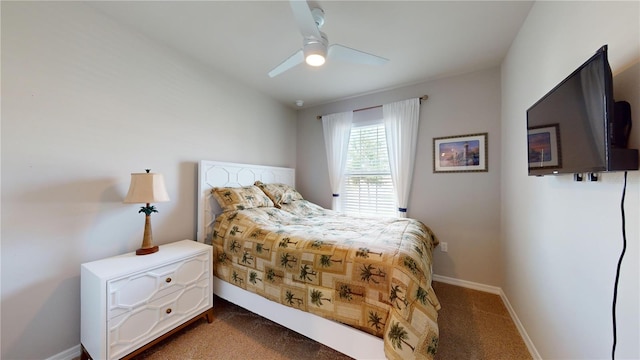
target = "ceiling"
x: 424, y: 40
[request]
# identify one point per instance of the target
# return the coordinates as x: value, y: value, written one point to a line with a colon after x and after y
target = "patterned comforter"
x: 370, y: 273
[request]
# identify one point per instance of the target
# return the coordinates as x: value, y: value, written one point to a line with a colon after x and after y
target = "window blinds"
x: 368, y: 188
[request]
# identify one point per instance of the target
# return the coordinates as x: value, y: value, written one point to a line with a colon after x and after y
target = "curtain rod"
x: 422, y: 98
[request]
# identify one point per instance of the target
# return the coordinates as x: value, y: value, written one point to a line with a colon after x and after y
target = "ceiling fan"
x: 315, y: 46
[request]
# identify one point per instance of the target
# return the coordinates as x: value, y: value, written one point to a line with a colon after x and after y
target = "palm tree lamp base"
x: 146, y: 251
x: 147, y: 246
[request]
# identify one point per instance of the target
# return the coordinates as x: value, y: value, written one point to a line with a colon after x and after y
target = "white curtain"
x: 401, y: 120
x: 336, y: 129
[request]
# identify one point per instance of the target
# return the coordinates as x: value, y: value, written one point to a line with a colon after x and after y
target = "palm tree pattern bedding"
x: 369, y: 273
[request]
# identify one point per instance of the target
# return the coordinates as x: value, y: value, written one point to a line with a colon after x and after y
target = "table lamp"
x: 146, y: 188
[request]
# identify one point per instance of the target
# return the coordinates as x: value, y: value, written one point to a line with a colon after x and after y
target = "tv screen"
x: 567, y: 128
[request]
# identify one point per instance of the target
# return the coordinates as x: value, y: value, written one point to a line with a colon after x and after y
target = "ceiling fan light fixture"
x: 315, y: 60
x: 315, y: 51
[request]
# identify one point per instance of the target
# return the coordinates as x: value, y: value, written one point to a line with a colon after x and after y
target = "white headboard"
x: 217, y: 174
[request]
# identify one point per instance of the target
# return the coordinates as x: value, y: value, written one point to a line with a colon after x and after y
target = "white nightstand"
x: 131, y: 302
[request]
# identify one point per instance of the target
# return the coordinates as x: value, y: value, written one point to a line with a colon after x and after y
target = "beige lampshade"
x: 146, y: 188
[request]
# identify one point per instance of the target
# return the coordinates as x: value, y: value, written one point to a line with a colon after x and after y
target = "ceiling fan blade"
x: 344, y: 53
x: 296, y: 59
x: 304, y: 19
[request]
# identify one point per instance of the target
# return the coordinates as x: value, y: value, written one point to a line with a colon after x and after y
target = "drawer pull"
x: 168, y: 280
x: 168, y: 311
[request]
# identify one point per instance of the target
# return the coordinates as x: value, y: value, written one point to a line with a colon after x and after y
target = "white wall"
x: 561, y: 238
x: 463, y: 209
x: 85, y: 102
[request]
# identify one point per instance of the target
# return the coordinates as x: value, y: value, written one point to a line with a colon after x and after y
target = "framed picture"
x: 464, y: 153
x: 544, y: 146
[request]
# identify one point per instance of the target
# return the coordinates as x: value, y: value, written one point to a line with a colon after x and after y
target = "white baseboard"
x: 75, y: 351
x: 468, y: 284
x: 498, y: 291
x: 68, y: 354
x: 525, y: 337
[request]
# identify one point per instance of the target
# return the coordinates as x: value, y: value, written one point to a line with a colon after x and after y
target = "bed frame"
x: 345, y: 339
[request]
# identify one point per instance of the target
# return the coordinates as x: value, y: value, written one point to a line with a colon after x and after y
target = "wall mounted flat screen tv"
x: 570, y: 129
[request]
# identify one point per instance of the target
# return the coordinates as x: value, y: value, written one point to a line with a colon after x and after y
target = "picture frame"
x: 461, y: 153
x: 544, y: 151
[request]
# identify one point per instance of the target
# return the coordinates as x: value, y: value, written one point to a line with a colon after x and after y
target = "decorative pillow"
x: 279, y: 193
x: 240, y: 198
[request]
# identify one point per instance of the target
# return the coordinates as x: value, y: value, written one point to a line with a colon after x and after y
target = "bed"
x: 310, y: 270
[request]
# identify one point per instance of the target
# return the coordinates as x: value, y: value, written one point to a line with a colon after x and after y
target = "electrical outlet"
x: 444, y: 247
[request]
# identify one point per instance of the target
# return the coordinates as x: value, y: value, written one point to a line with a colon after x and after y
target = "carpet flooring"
x: 473, y: 325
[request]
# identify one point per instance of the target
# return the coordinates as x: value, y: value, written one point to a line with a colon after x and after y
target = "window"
x: 367, y: 187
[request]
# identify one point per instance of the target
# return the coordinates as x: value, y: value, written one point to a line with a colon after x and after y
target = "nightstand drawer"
x: 136, y: 327
x: 133, y: 291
